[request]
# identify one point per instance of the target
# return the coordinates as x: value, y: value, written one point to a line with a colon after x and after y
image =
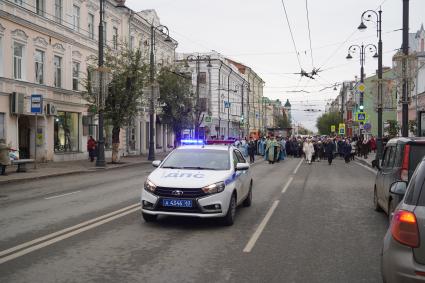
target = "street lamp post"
x: 100, y: 160
x: 362, y: 49
x: 366, y: 16
x: 198, y: 59
x: 154, y: 29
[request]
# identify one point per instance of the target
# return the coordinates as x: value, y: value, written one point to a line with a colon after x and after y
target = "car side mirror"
x: 398, y: 188
x: 156, y: 163
x: 242, y: 166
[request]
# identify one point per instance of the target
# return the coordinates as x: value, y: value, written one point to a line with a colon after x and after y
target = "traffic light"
x: 361, y: 107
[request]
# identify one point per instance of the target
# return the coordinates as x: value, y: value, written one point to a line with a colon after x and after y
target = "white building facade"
x: 45, y: 48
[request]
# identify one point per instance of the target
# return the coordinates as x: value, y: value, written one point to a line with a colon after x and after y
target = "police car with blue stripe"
x: 198, y: 180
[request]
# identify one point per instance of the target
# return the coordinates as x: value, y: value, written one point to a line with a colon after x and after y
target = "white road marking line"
x: 298, y: 166
x: 63, y: 195
x: 66, y: 230
x: 64, y: 236
x: 260, y: 228
x: 287, y: 184
x: 366, y: 167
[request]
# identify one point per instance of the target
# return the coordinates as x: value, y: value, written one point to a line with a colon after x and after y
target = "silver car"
x: 403, y: 253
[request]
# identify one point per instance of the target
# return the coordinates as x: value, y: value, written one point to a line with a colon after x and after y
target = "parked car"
x: 400, y: 158
x: 403, y: 252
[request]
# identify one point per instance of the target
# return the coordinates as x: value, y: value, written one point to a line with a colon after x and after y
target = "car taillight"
x: 404, y: 172
x: 404, y: 228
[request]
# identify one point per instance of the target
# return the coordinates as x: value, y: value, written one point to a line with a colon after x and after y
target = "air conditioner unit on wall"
x: 17, y: 103
x: 51, y: 109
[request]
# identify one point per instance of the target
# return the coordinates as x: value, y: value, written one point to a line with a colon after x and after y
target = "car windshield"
x: 198, y: 159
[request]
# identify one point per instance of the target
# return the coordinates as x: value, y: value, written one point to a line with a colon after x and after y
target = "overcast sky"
x: 256, y: 33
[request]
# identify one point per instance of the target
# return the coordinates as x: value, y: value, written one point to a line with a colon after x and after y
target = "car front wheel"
x: 229, y: 219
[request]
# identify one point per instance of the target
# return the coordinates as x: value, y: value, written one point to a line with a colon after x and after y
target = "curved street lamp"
x: 368, y: 16
x: 198, y: 59
x: 362, y: 49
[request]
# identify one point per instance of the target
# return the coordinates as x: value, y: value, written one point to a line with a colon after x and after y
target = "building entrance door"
x: 24, y: 137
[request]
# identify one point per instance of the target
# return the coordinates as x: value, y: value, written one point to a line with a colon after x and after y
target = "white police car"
x: 200, y: 181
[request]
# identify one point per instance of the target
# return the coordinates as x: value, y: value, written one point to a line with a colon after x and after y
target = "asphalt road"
x: 315, y: 225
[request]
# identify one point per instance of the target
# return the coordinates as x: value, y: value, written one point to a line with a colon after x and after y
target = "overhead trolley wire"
x: 309, y: 33
x: 292, y: 35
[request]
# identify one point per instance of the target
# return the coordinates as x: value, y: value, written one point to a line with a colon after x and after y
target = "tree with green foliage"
x: 282, y: 121
x: 128, y: 75
x: 325, y: 122
x: 176, y: 100
x: 304, y: 131
x: 393, y: 128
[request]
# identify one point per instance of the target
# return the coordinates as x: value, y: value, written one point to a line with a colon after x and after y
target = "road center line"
x: 250, y: 245
x: 67, y: 194
x: 65, y: 236
x: 298, y: 166
x: 287, y: 184
x: 66, y: 230
x: 366, y: 167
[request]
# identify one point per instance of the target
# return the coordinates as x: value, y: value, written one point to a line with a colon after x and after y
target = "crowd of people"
x: 312, y: 148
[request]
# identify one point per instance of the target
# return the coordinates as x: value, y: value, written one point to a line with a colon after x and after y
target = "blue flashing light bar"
x: 192, y: 142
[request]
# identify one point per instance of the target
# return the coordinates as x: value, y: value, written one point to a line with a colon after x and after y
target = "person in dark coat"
x: 251, y: 149
x: 329, y: 150
x: 346, y: 150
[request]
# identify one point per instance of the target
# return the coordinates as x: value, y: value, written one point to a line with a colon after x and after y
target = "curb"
x: 71, y: 173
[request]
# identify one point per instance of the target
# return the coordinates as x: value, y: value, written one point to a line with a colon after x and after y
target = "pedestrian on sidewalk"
x: 91, y: 148
x: 251, y: 150
x: 4, y: 156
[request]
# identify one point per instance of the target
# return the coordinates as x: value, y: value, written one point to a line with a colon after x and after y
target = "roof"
x: 206, y: 147
x: 287, y: 104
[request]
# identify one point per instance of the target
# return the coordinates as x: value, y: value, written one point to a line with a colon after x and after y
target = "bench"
x: 21, y: 163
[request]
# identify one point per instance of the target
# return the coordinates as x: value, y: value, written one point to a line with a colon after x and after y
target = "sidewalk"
x: 53, y: 169
x: 368, y: 161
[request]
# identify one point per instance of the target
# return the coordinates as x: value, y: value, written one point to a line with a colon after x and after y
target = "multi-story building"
x: 227, y: 99
x: 45, y: 48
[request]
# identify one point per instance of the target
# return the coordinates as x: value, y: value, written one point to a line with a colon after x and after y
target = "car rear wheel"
x: 229, y: 219
x: 149, y: 217
x: 247, y: 202
x: 375, y: 201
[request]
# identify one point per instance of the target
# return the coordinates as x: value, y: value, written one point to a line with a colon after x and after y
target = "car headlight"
x: 149, y: 186
x: 214, y: 188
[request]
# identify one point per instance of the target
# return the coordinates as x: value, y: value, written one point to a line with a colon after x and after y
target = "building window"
x: 66, y: 132
x: 57, y: 62
x: 18, y: 53
x: 2, y: 123
x: 75, y: 75
x: 91, y: 26
x: 39, y: 66
x: 39, y: 6
x: 115, y: 38
x: 76, y: 18
x: 131, y: 44
x: 58, y: 11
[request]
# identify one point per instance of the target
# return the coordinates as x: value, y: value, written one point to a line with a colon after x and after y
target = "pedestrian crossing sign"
x: 333, y: 129
x: 361, y: 116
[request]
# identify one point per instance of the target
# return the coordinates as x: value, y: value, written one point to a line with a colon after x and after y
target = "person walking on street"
x: 4, y: 156
x: 91, y: 148
x: 271, y: 150
x: 251, y: 150
x: 347, y: 151
x: 329, y: 150
x: 308, y: 149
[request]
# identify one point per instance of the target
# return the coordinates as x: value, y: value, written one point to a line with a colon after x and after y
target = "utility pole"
x: 405, y: 47
x: 100, y: 160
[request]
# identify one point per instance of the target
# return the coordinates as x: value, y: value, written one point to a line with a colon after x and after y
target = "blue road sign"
x: 226, y: 104
x: 361, y: 116
x: 36, y: 103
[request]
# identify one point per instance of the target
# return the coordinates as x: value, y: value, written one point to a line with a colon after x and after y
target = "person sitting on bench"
x: 4, y: 156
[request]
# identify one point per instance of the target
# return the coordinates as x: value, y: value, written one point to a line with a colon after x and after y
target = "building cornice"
x: 50, y: 88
